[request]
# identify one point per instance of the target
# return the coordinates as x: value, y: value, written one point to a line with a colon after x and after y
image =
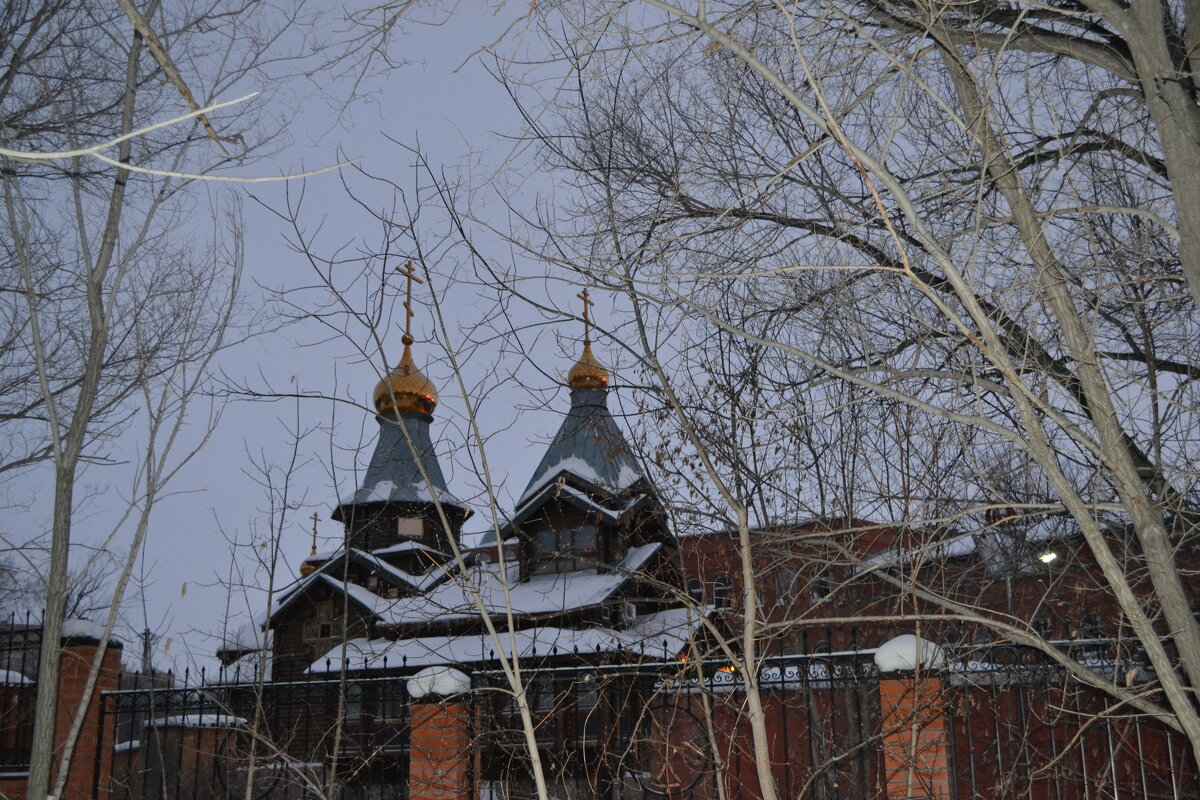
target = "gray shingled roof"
x: 393, y: 476
x: 588, y: 445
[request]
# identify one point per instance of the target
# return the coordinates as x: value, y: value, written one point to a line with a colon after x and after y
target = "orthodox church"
x: 586, y: 566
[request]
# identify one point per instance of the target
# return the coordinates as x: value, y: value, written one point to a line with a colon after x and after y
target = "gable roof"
x: 372, y: 603
x: 540, y: 595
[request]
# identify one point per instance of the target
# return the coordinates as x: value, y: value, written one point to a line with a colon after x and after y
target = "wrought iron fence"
x: 994, y: 722
x: 682, y: 729
x: 1020, y: 726
x: 216, y: 740
x: 20, y: 649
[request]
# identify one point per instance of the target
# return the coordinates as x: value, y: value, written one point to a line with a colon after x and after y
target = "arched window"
x: 723, y: 592
x: 695, y: 589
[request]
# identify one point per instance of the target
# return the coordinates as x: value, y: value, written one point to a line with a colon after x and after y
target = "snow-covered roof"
x: 660, y: 634
x: 407, y: 547
x: 399, y: 467
x: 588, y: 445
x: 613, y: 512
x: 395, y: 575
x: 541, y: 594
x: 245, y: 637
x: 1042, y: 529
x: 389, y: 573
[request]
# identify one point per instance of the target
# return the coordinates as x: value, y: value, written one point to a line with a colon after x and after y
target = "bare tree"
x: 892, y: 210
x: 114, y: 309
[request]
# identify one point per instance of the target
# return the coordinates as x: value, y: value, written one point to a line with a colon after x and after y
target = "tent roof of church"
x: 590, y: 446
x: 398, y: 469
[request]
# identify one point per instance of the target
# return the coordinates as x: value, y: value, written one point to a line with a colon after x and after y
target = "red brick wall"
x: 439, y: 752
x: 74, y: 664
x: 916, y: 747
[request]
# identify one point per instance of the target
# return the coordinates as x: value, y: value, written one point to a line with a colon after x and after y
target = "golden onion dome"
x: 588, y: 373
x: 405, y: 388
x: 307, y: 568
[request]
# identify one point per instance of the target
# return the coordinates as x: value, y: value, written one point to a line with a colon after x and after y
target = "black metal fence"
x: 1019, y: 726
x: 20, y: 649
x: 205, y: 740
x: 683, y: 729
x: 1003, y: 721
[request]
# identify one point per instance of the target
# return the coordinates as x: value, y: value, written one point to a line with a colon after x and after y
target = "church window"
x: 410, y: 527
x: 320, y: 625
x: 564, y: 550
x: 587, y: 709
x: 354, y: 707
x: 695, y: 589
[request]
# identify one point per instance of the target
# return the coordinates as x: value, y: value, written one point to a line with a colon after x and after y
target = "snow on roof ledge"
x: 443, y: 681
x: 908, y: 652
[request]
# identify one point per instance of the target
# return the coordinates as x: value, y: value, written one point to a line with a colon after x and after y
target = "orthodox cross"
x: 315, y: 518
x: 410, y: 273
x: 587, y: 319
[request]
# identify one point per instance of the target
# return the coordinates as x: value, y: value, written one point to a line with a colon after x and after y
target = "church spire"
x: 588, y: 372
x: 406, y: 388
x: 403, y: 486
x: 589, y: 446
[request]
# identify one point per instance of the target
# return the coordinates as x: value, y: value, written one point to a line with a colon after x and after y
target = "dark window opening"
x: 564, y: 550
x: 695, y: 589
x: 723, y: 592
x: 785, y: 587
x: 822, y: 585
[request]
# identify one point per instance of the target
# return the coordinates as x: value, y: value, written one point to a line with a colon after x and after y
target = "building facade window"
x: 785, y: 587
x: 567, y: 550
x: 723, y: 592
x: 822, y: 586
x: 695, y: 589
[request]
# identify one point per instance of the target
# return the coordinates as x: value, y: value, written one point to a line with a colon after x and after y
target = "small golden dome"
x: 405, y: 388
x: 588, y: 373
x: 307, y: 568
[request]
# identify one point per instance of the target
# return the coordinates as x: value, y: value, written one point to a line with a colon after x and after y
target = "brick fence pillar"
x: 916, y: 742
x: 439, y: 757
x: 91, y: 761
